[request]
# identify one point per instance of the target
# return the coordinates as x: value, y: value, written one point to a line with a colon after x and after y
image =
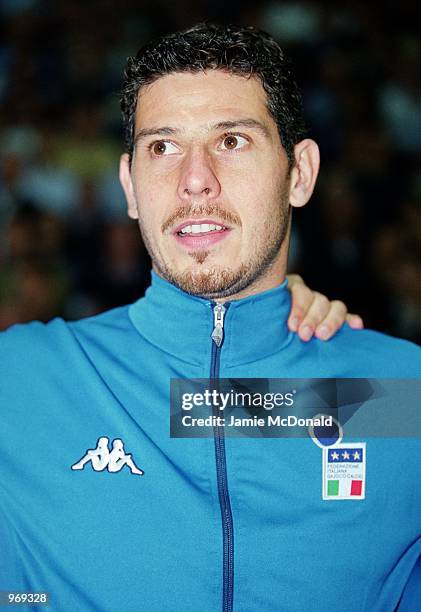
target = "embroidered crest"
x: 344, y: 471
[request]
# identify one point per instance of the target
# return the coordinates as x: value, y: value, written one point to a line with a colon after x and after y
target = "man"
x: 217, y: 157
x: 99, y: 456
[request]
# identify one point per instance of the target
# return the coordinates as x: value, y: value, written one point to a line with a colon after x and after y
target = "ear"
x: 304, y: 173
x: 127, y: 184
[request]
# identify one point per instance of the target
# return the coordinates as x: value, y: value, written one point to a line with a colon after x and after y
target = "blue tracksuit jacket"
x: 233, y: 524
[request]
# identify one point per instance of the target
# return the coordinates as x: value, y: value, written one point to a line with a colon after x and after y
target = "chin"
x: 210, y: 282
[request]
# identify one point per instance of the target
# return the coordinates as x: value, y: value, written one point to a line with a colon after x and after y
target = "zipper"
x: 218, y: 326
x: 219, y: 311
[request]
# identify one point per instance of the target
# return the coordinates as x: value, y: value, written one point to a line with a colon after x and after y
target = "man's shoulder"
x: 371, y: 351
x: 111, y: 321
x: 377, y: 341
x: 58, y: 335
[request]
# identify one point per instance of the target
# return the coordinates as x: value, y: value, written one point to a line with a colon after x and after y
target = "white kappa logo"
x: 102, y: 458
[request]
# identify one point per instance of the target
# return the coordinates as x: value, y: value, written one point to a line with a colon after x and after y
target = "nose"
x: 198, y: 179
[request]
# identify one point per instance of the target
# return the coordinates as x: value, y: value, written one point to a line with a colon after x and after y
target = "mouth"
x: 197, y: 234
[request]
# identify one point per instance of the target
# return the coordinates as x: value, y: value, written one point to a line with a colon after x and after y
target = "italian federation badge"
x: 344, y: 471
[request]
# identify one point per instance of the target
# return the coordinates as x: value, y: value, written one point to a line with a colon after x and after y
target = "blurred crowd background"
x: 66, y: 245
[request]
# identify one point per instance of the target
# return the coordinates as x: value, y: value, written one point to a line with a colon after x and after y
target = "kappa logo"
x: 102, y: 458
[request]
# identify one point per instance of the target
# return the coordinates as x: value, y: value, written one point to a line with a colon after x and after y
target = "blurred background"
x: 66, y: 246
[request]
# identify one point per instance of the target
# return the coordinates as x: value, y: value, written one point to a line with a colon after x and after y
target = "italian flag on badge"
x: 344, y: 471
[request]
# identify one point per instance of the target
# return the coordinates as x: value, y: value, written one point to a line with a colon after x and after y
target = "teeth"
x: 200, y: 228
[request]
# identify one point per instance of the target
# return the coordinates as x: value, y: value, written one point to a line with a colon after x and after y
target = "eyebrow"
x: 154, y: 131
x: 247, y: 123
x: 221, y: 125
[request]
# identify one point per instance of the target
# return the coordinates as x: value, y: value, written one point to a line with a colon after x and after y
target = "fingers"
x: 325, y: 318
x: 354, y: 321
x: 302, y: 299
x: 313, y: 314
x: 319, y: 311
x: 333, y: 321
x: 293, y: 280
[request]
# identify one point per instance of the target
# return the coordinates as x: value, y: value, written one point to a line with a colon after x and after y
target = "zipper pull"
x: 218, y: 322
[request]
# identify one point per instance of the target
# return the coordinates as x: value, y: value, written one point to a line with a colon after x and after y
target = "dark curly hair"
x: 238, y: 50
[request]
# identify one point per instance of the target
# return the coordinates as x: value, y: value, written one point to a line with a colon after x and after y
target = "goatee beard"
x: 216, y: 281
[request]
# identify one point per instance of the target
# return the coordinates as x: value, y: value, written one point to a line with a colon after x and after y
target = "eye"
x: 163, y: 147
x: 232, y: 142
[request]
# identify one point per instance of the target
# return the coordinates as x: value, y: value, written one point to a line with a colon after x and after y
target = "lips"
x: 199, y: 234
x: 199, y: 226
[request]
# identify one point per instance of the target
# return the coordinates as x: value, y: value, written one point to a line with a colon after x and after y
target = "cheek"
x: 255, y: 194
x: 152, y: 199
x: 261, y: 206
x: 254, y: 174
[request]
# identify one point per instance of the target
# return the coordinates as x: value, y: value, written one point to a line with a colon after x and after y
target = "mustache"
x: 202, y: 210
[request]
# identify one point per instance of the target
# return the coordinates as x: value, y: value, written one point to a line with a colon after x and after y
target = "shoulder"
x: 34, y: 342
x: 109, y: 322
x: 370, y: 353
x: 27, y: 338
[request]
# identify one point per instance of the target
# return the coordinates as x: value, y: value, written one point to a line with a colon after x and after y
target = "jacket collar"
x: 181, y: 324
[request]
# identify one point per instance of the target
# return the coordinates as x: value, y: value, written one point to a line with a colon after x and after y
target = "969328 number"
x: 15, y: 598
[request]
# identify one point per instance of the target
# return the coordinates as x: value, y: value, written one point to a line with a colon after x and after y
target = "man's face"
x: 209, y: 182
